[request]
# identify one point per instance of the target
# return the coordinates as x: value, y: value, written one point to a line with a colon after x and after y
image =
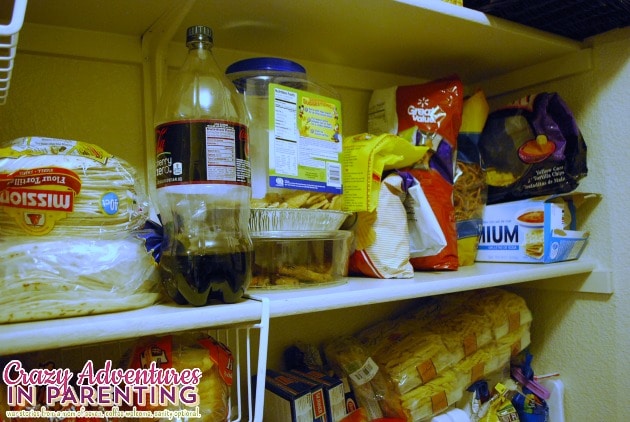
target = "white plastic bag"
x: 425, y: 235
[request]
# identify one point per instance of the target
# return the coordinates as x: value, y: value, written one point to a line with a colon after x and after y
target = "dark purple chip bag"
x: 532, y: 147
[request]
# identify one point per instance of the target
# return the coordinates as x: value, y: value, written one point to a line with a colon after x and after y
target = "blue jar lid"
x: 266, y: 64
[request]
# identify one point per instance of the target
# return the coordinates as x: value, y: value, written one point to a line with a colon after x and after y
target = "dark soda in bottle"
x: 203, y: 181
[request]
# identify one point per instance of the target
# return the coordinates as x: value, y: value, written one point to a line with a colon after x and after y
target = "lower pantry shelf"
x: 244, y: 327
x: 168, y: 318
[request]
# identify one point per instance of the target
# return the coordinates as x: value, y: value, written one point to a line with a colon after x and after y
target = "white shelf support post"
x: 261, y: 368
x: 154, y: 54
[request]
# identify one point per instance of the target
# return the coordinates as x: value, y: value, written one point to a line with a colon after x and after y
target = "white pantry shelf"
x: 154, y: 320
x: 163, y: 319
x: 365, y: 291
x: 414, y: 38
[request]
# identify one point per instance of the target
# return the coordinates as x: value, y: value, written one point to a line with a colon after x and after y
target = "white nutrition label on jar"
x: 284, y: 154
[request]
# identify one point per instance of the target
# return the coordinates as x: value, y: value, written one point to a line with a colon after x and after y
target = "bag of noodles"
x: 470, y: 191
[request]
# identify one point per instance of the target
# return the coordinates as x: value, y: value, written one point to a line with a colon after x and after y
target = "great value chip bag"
x: 430, y: 115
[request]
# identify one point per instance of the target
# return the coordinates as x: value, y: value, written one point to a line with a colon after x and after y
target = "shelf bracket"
x: 9, y: 35
x: 598, y: 281
x: 261, y: 368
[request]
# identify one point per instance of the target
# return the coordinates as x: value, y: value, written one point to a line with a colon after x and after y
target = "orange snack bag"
x: 428, y: 114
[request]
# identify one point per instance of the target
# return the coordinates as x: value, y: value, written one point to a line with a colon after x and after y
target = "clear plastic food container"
x: 294, y: 131
x: 294, y: 259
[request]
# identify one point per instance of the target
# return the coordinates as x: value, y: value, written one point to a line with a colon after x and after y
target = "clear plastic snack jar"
x: 295, y: 135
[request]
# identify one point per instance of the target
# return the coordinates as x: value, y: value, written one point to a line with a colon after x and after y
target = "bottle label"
x: 304, y: 140
x: 202, y: 152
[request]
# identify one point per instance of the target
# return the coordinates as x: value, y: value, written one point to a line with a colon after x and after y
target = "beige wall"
x: 86, y: 100
x: 586, y: 336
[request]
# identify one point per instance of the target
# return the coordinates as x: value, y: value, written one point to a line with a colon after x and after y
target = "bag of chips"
x: 430, y: 115
x: 532, y: 147
x: 190, y: 352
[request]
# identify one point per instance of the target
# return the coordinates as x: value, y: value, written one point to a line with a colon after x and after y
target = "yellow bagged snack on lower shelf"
x: 371, y: 386
x: 204, y: 367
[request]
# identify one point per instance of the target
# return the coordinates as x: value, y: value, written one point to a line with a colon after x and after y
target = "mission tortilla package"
x: 71, y: 237
x: 532, y: 147
x: 60, y: 187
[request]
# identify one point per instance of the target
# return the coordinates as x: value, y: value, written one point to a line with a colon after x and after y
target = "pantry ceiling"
x: 427, y: 38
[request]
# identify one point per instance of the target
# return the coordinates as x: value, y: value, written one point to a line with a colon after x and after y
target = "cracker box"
x: 317, y: 391
x: 537, y: 230
x: 293, y: 382
x: 334, y: 395
x: 287, y: 400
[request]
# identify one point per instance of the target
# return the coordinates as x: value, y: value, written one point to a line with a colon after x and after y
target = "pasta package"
x: 433, y: 398
x: 463, y: 332
x: 416, y: 360
x: 371, y: 386
x: 59, y: 187
x: 423, y: 359
x: 482, y: 363
x: 470, y: 190
x: 532, y: 147
x: 506, y: 311
x: 514, y: 342
x: 191, y: 353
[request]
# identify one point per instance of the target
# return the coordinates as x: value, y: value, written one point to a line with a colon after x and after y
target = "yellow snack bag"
x: 365, y: 158
x: 501, y: 409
